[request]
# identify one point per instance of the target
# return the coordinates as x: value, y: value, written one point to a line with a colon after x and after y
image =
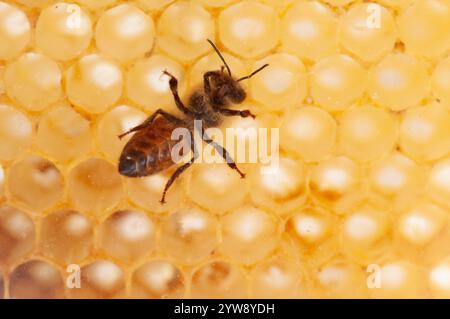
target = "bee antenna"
x: 220, y: 56
x: 254, y: 72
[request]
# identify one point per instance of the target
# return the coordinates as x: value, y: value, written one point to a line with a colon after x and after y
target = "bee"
x: 149, y: 151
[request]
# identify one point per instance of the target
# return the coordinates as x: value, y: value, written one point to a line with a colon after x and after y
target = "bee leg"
x: 230, y: 162
x: 243, y: 113
x: 207, y: 83
x: 173, y: 83
x: 150, y: 119
x: 179, y: 171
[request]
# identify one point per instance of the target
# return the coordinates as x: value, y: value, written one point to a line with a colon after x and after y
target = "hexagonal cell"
x: 94, y: 185
x: 60, y: 127
x: 189, y: 235
x: 277, y: 278
x: 128, y: 235
x: 36, y: 183
x: 17, y: 234
x: 219, y: 280
x: 15, y: 31
x: 157, y: 279
x: 177, y: 35
x: 281, y: 186
x: 99, y: 280
x: 66, y: 236
x: 16, y: 132
x: 337, y: 182
x: 243, y: 230
x: 36, y: 279
x: 438, y: 281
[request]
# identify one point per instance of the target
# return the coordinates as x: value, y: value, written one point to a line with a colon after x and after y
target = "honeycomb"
x: 360, y: 92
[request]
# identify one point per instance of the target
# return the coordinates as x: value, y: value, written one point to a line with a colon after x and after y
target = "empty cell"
x: 101, y: 279
x: 128, y: 235
x: 183, y: 29
x: 249, y: 28
x: 15, y: 31
x: 94, y: 185
x: 16, y: 132
x: 60, y: 127
x: 63, y: 31
x: 36, y: 183
x: 158, y: 279
x: 94, y: 83
x: 242, y: 232
x: 279, y: 186
x: 189, y: 235
x: 17, y: 234
x: 66, y: 236
x: 34, y: 81
x: 219, y: 280
x: 36, y: 279
x: 125, y: 32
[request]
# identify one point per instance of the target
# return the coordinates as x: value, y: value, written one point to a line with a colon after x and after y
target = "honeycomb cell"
x: 94, y: 83
x: 17, y: 234
x: 340, y: 278
x: 366, y: 133
x: 243, y: 230
x: 212, y: 62
x: 368, y: 31
x: 394, y: 180
x: 36, y: 279
x: 424, y: 27
x: 34, y: 81
x: 441, y: 81
x: 280, y: 187
x: 15, y: 31
x: 158, y: 279
x: 94, y: 185
x: 66, y: 236
x: 337, y: 82
x: 249, y: 28
x: 424, y: 132
x: 60, y: 127
x: 309, y: 132
x: 219, y: 280
x: 125, y: 32
x: 148, y: 87
x: 439, y: 182
x: 189, y: 235
x: 422, y: 232
x: 36, y: 183
x: 400, y: 279
x: 337, y: 182
x: 365, y: 235
x: 16, y: 132
x: 313, y: 230
x: 276, y: 278
x: 216, y: 187
x: 398, y: 82
x: 127, y: 235
x: 97, y: 4
x: 119, y: 120
x: 101, y: 279
x: 282, y: 85
x: 310, y: 31
x: 146, y: 192
x: 63, y: 31
x: 439, y: 279
x: 183, y: 29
